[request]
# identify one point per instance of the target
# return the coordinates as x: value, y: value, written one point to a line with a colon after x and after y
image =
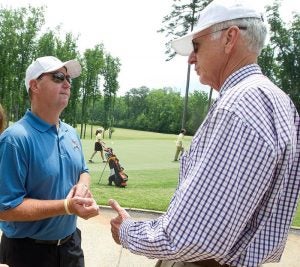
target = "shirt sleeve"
x: 228, y: 163
x: 12, y: 173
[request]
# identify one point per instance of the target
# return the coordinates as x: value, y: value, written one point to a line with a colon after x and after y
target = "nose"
x: 192, y: 58
x: 67, y: 81
x: 66, y: 84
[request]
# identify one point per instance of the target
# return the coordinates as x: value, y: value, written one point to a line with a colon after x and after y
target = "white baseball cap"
x: 217, y: 11
x: 49, y: 63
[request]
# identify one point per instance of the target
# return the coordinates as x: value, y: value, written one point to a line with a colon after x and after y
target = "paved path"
x: 101, y: 251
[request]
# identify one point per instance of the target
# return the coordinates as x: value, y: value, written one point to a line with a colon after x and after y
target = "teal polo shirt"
x: 40, y: 162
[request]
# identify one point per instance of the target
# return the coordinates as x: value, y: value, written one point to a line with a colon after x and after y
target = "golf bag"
x: 117, y: 174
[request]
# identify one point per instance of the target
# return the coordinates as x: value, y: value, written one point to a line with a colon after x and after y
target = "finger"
x: 85, y: 202
x: 88, y: 194
x: 115, y: 205
x: 81, y: 190
x: 121, y: 211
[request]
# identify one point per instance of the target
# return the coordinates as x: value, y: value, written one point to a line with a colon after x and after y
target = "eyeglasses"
x: 196, y: 45
x: 57, y: 77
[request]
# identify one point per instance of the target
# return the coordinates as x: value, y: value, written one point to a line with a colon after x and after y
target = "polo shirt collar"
x: 37, y: 123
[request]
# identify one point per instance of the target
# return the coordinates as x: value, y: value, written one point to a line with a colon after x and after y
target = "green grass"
x: 147, y: 189
x: 296, y: 221
x: 147, y: 160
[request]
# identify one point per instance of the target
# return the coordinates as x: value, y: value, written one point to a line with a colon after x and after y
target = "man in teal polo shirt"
x: 44, y: 181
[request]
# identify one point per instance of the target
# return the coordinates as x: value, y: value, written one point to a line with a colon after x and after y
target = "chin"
x: 64, y: 104
x: 205, y: 81
x: 202, y: 81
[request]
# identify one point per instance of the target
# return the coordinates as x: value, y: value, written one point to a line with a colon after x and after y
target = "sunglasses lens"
x: 195, y: 47
x: 59, y: 77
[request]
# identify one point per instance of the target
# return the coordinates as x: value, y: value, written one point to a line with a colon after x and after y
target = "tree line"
x: 156, y: 110
x: 151, y: 109
x: 21, y: 42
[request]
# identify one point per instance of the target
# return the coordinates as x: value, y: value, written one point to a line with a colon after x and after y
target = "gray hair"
x: 254, y: 34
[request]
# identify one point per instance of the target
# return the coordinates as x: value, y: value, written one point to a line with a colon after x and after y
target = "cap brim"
x: 73, y: 68
x: 183, y: 45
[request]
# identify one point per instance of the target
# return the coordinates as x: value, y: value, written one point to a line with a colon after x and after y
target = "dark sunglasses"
x: 57, y: 77
x: 196, y: 45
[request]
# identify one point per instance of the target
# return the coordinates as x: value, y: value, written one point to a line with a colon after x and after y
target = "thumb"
x: 121, y: 211
x: 114, y: 205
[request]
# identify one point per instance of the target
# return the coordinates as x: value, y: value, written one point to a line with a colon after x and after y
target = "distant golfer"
x: 98, y: 147
x: 179, y: 144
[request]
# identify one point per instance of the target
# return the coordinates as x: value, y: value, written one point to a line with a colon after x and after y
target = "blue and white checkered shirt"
x: 239, y: 182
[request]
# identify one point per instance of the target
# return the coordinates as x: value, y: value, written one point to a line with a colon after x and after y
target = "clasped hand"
x: 81, y: 202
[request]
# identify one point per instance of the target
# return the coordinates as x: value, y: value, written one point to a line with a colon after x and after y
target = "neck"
x: 234, y: 64
x: 247, y: 60
x: 46, y: 115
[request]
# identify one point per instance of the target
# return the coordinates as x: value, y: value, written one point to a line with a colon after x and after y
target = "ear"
x: 33, y: 85
x: 231, y: 38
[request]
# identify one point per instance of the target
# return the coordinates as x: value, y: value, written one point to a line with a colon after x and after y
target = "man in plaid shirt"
x: 239, y: 182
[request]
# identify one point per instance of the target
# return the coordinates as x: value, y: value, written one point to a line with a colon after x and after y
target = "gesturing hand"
x: 80, y: 190
x: 117, y: 221
x: 83, y: 207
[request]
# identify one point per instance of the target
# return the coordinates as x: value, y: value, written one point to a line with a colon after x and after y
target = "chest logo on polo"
x: 75, y: 145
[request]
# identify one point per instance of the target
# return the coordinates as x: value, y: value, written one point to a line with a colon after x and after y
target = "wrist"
x: 66, y: 205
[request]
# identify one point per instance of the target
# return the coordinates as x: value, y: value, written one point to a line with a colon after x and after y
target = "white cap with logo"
x: 217, y: 11
x: 48, y: 64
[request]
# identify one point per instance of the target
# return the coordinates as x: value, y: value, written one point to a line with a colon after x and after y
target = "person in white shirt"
x: 98, y: 147
x: 179, y: 144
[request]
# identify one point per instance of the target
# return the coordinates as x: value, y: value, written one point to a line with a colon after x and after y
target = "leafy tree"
x: 135, y: 102
x: 179, y: 22
x: 267, y: 62
x: 149, y: 110
x: 198, y: 105
x: 18, y: 34
x: 162, y: 111
x: 46, y: 45
x: 152, y: 109
x: 120, y: 112
x: 93, y: 67
x: 280, y: 60
x: 66, y: 49
x: 111, y: 86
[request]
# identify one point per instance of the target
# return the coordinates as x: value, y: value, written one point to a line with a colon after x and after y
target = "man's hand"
x: 117, y: 221
x: 85, y: 208
x: 80, y: 190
